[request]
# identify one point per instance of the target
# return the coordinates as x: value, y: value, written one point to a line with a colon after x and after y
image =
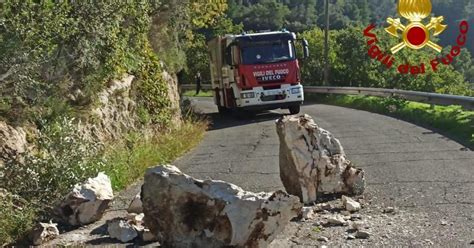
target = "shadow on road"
x: 219, y: 121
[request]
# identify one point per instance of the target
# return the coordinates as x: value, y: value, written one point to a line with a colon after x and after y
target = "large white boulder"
x: 186, y: 212
x: 87, y: 202
x: 313, y: 162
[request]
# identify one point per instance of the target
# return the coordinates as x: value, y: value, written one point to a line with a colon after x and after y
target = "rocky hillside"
x: 88, y: 87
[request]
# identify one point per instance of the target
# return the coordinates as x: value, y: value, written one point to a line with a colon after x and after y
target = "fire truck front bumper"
x: 258, y: 98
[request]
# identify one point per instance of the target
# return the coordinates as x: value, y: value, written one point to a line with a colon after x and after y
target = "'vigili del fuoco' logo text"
x: 414, y: 34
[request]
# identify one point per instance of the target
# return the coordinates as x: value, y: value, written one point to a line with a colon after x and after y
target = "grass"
x: 450, y: 120
x: 128, y: 162
x: 124, y: 164
x: 15, y: 219
x: 201, y: 93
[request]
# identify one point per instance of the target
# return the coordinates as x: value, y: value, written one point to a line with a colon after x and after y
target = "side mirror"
x: 305, y: 48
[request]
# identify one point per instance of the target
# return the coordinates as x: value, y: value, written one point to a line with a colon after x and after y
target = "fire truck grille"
x: 272, y: 98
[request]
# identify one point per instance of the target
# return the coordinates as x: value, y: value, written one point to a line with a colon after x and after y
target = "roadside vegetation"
x: 55, y: 57
x: 67, y: 159
x: 452, y: 121
x: 125, y: 163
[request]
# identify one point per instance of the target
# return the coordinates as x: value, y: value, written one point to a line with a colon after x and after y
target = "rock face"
x: 12, y: 141
x: 173, y: 95
x: 185, y: 212
x: 313, y: 162
x: 88, y: 201
x: 116, y: 111
x: 44, y: 232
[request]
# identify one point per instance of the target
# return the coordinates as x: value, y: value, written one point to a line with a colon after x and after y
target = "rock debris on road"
x: 419, y: 192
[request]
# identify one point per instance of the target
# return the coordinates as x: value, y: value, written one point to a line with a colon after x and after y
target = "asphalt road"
x: 427, y: 176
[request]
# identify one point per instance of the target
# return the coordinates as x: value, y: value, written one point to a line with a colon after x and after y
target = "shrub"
x: 62, y: 158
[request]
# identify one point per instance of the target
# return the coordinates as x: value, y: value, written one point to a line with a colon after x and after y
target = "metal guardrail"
x: 416, y: 96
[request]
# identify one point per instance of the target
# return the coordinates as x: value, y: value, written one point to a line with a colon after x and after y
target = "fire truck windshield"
x: 267, y: 52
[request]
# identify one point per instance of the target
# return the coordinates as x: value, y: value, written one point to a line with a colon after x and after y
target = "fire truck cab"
x: 258, y: 71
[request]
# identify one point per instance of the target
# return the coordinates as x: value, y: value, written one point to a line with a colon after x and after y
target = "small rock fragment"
x: 336, y: 220
x: 323, y: 206
x: 120, y: 229
x: 136, y: 205
x: 356, y: 217
x: 444, y: 223
x: 362, y: 234
x: 389, y: 210
x: 308, y: 213
x: 345, y: 213
x: 323, y: 239
x: 358, y: 225
x: 350, y: 204
x: 350, y: 237
x: 44, y: 232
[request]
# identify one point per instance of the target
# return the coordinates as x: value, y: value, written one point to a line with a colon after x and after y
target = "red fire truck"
x: 256, y: 71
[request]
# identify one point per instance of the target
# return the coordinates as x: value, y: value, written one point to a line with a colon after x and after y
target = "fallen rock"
x: 122, y: 230
x: 350, y: 237
x: 185, y: 212
x: 88, y: 201
x: 362, y: 234
x: 44, y: 232
x: 136, y: 205
x: 350, y: 204
x: 312, y: 161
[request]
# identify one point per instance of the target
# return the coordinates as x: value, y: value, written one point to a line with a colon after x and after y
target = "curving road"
x: 429, y: 177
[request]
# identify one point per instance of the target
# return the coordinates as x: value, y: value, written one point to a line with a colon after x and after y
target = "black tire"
x: 294, y: 109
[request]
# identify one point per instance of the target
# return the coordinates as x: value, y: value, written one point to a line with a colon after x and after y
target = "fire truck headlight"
x: 295, y: 91
x: 248, y: 95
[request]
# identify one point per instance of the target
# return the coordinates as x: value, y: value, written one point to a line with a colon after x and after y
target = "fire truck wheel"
x: 294, y: 109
